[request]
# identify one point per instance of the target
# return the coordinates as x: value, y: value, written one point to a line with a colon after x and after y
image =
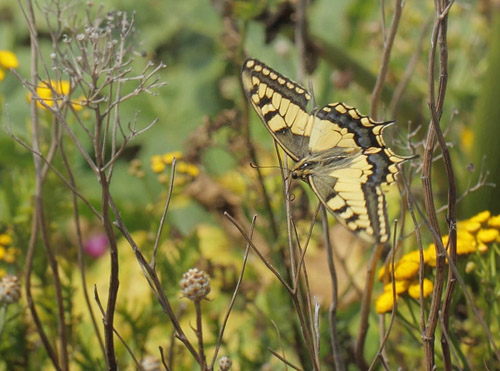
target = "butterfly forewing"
x: 281, y: 104
x: 340, y: 152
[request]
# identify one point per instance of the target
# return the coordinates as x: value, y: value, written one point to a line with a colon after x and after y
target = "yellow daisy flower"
x: 157, y: 164
x: 8, y: 59
x: 494, y: 221
x: 400, y: 286
x: 482, y: 217
x: 414, y: 288
x: 5, y: 239
x: 405, y: 270
x: 190, y: 169
x: 168, y: 158
x: 384, y: 302
x: 487, y: 235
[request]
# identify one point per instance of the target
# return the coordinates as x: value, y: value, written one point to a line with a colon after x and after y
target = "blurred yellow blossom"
x: 405, y: 269
x: 2, y: 75
x: 157, y: 164
x: 3, y: 251
x: 414, y: 288
x: 384, y: 302
x: 168, y: 158
x: 473, y: 234
x: 482, y: 217
x: 189, y: 169
x: 51, y: 91
x: 494, y: 221
x: 467, y: 137
x: 488, y: 235
x: 8, y: 59
x: 5, y: 239
x: 401, y: 286
x: 3, y: 272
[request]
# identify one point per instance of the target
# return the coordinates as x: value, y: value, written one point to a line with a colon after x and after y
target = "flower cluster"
x: 160, y: 162
x: 7, y: 60
x: 474, y: 235
x: 8, y: 253
x: 50, y: 92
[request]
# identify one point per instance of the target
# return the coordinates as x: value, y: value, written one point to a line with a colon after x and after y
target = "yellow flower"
x: 2, y: 75
x: 488, y: 235
x: 431, y: 253
x: 2, y: 252
x: 189, y: 169
x: 9, y: 258
x: 5, y: 239
x: 168, y: 158
x: 157, y: 164
x: 482, y: 217
x: 401, y: 286
x: 470, y: 226
x: 466, y: 243
x: 467, y: 138
x: 384, y: 302
x: 414, y: 288
x: 405, y: 270
x: 494, y: 221
x: 8, y: 59
x: 45, y: 93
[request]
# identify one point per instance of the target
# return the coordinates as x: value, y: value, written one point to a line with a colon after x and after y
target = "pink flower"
x: 96, y: 245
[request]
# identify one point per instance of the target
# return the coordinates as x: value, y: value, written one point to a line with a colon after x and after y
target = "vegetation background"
x: 225, y: 162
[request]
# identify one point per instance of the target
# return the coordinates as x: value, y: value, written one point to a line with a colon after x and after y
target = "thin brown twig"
x: 459, y: 279
x: 129, y: 350
x: 385, y: 337
x: 233, y: 298
x: 40, y: 223
x: 332, y: 309
x: 408, y: 73
x: 435, y: 107
x: 284, y: 360
x: 164, y: 213
x: 154, y: 282
x: 386, y: 56
x: 81, y: 264
x: 366, y: 306
x: 199, y: 334
x: 163, y: 362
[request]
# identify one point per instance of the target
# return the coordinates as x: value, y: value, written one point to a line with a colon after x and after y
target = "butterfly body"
x: 338, y: 151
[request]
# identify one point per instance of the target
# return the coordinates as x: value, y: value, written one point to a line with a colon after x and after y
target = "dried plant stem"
x: 81, y: 264
x: 129, y: 350
x: 199, y: 334
x: 436, y: 107
x: 386, y: 56
x: 332, y: 310
x: 154, y: 283
x: 366, y: 306
x: 233, y: 298
x: 39, y: 221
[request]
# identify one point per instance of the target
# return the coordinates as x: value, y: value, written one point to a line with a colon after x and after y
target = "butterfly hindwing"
x: 340, y: 152
x: 281, y: 104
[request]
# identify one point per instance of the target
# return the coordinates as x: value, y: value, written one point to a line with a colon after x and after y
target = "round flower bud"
x: 195, y: 284
x: 225, y: 363
x: 10, y: 289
